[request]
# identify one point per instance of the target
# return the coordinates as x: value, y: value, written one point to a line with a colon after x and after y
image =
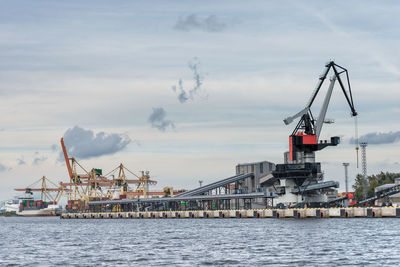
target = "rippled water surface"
x: 188, y: 242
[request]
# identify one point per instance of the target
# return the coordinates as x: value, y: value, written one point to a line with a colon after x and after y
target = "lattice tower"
x: 363, y: 146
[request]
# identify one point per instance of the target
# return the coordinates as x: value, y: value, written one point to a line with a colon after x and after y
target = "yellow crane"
x: 45, y: 191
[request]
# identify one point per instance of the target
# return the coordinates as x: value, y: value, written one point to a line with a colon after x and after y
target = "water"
x: 199, y: 242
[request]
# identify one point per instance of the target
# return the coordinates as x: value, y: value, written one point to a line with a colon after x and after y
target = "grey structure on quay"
x: 253, y: 187
x: 242, y: 190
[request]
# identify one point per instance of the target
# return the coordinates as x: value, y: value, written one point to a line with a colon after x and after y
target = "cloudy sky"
x: 188, y: 89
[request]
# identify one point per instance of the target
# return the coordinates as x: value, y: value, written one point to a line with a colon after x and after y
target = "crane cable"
x: 356, y: 136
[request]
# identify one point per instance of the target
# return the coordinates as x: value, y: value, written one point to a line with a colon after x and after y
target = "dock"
x: 352, y: 212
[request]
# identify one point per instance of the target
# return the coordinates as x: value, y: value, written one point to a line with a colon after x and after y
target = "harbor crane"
x: 46, y: 193
x: 305, y: 137
x: 93, y: 185
x: 299, y: 165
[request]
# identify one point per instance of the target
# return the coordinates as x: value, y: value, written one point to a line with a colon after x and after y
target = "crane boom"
x: 66, y: 158
x: 319, y: 84
x: 289, y: 120
x: 334, y: 66
x: 324, y: 108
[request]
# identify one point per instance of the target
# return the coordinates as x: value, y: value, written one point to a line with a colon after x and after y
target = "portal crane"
x: 93, y: 184
x: 46, y: 192
x: 300, y: 165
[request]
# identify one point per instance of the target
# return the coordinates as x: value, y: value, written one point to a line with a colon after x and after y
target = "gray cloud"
x: 182, y: 94
x: 21, y: 161
x: 193, y: 65
x: 185, y: 95
x: 53, y: 147
x: 208, y: 24
x: 3, y: 167
x: 39, y: 160
x: 158, y: 120
x: 84, y: 144
x: 378, y: 138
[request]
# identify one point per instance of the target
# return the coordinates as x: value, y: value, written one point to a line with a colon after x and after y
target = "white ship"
x: 12, y: 205
x: 26, y: 206
x: 51, y: 210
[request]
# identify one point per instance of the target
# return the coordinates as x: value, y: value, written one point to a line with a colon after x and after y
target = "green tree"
x: 372, y: 182
x: 358, y: 187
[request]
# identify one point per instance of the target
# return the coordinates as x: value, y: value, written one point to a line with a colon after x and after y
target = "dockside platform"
x: 352, y: 212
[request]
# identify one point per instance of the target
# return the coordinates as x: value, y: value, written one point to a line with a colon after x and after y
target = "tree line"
x: 372, y: 182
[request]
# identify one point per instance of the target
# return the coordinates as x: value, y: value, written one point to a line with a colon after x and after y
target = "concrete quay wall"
x: 368, y: 212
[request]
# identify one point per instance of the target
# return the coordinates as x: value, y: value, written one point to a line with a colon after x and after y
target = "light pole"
x: 346, y: 176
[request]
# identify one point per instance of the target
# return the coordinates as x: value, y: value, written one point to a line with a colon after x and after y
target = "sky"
x: 189, y: 89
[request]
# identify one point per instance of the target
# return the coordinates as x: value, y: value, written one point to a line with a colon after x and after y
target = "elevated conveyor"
x: 316, y: 186
x: 184, y: 198
x: 215, y: 185
x: 381, y: 194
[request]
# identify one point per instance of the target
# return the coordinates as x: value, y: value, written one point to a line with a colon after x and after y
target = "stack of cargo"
x: 69, y: 205
x: 76, y: 205
x: 32, y: 204
x: 39, y: 204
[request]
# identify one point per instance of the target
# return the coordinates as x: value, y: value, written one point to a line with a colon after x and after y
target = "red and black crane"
x: 304, y: 140
x: 305, y: 137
